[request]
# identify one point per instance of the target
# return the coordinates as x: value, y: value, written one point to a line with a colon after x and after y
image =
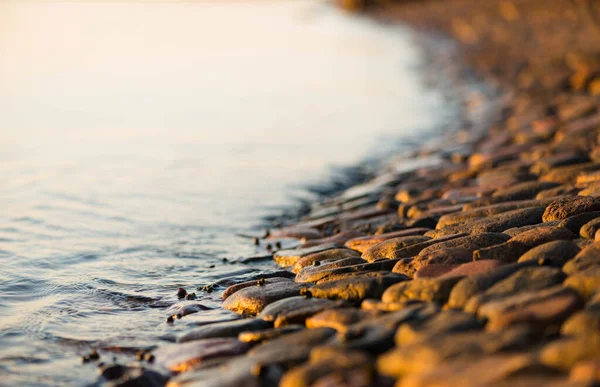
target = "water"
x: 139, y: 137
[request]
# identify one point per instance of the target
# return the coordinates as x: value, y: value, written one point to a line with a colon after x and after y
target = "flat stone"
x: 474, y: 284
x: 339, y: 319
x: 522, y: 191
x: 590, y: 229
x: 251, y: 300
x: 434, y: 270
x: 512, y: 250
x: 296, y: 308
x: 333, y: 272
x: 576, y: 222
x: 361, y: 244
x: 524, y: 280
x: 584, y: 322
x: 567, y: 207
x: 328, y: 255
x: 587, y: 371
x: 555, y: 253
x: 541, y: 309
x: 428, y: 355
x: 184, y: 309
x: 183, y: 357
x: 566, y: 352
x: 289, y: 257
x: 375, y: 304
x: 495, y: 223
x: 234, y: 288
x: 411, y: 251
x: 565, y: 189
x: 569, y: 173
x: 519, y: 230
x: 306, y: 338
x: 295, y: 232
x: 445, y: 322
x: 387, y: 248
x: 473, y: 268
x: 356, y: 288
x: 586, y: 258
x: 586, y: 282
x: 224, y: 329
x: 324, y: 362
x: 339, y: 239
x: 469, y: 242
x: 268, y: 334
x: 421, y: 289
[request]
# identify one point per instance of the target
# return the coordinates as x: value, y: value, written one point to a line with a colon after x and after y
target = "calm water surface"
x: 139, y: 137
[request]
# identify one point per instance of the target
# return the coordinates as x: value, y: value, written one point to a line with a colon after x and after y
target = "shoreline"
x: 473, y: 261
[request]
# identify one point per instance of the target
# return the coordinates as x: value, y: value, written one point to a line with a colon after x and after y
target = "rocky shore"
x: 474, y: 261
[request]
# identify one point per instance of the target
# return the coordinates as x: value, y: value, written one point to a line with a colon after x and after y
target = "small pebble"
x: 191, y: 296
x: 181, y: 293
x: 278, y: 245
x: 170, y: 320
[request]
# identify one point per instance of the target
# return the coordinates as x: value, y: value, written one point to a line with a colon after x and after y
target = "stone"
x: 569, y: 173
x: 361, y: 244
x: 234, y: 288
x: 469, y: 242
x: 565, y: 189
x: 268, y: 334
x: 566, y: 207
x: 225, y: 329
x: 434, y: 270
x: 522, y: 191
x: 185, y: 356
x: 512, y: 250
x: 306, y: 338
x: 586, y: 258
x: 541, y: 309
x: 519, y: 230
x: 356, y: 288
x: 328, y: 255
x: 584, y: 322
x: 324, y: 362
x: 443, y: 323
x: 251, y: 300
x: 295, y: 309
x: 339, y: 319
x: 473, y: 268
x: 495, y: 223
x: 185, y: 309
x: 339, y: 239
x: 524, y: 280
x: 589, y: 229
x: 586, y: 282
x: 411, y: 251
x: 470, y: 286
x: 295, y: 232
x: 576, y: 222
x: 421, y: 289
x: 387, y: 248
x: 120, y: 375
x: 374, y: 304
x: 429, y: 354
x: 404, y: 266
x: 586, y: 371
x: 555, y: 253
x: 289, y: 257
x: 566, y: 352
x: 331, y: 272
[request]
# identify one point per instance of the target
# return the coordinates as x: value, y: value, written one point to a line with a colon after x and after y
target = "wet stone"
x: 225, y: 329
x: 519, y: 230
x: 306, y: 338
x: 339, y: 319
x: 361, y: 244
x: 541, y: 309
x: 586, y: 282
x: 252, y: 300
x: 586, y: 258
x: 567, y: 207
x: 413, y: 250
x: 339, y: 238
x: 565, y: 189
x: 356, y: 288
x: 445, y: 322
x: 527, y: 279
x: 387, y: 248
x: 556, y: 253
x: 295, y: 232
x: 291, y: 257
x: 120, y: 375
x: 329, y: 255
x: 427, y: 355
x: 263, y: 281
x: 183, y: 357
x: 421, y: 289
x: 295, y: 310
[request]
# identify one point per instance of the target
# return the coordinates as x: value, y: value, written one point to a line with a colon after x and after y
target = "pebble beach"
x: 470, y: 260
